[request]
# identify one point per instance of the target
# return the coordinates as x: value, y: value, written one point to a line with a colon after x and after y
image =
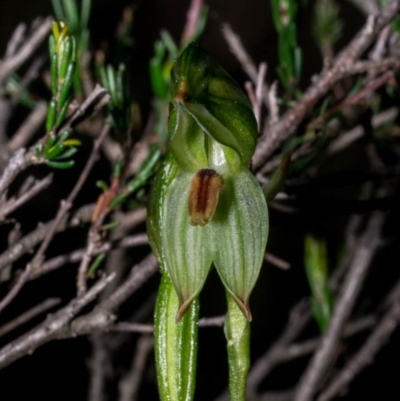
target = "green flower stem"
x: 175, y: 345
x: 237, y: 333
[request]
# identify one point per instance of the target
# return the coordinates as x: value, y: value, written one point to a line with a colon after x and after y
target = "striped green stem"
x: 175, y: 345
x: 237, y: 333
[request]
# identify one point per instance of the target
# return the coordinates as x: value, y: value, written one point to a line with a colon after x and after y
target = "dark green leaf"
x: 67, y: 154
x: 60, y: 165
x: 51, y: 140
x: 96, y: 264
x: 51, y: 115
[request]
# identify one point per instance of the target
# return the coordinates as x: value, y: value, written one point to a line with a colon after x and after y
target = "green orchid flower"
x: 205, y: 207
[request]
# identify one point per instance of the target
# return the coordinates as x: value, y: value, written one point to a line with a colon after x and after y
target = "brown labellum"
x: 181, y: 94
x: 203, y: 196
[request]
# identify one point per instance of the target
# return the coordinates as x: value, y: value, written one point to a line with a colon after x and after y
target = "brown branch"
x: 7, y: 104
x: 30, y: 180
x: 20, y: 281
x: 298, y: 318
x: 76, y: 256
x: 30, y: 75
x: 337, y: 145
x: 133, y: 218
x: 28, y: 315
x: 13, y: 237
x: 23, y: 158
x: 392, y: 297
x: 16, y: 40
x: 12, y: 63
x: 237, y: 48
x: 94, y: 243
x: 105, y: 345
x: 116, y: 260
x: 67, y: 204
x: 19, y: 161
x: 301, y: 349
x: 380, y: 47
x: 289, y: 122
x: 103, y: 316
x: 276, y: 261
x: 14, y: 204
x: 130, y: 383
x: 347, y: 138
x: 355, y: 99
x: 100, y: 367
x: 290, y: 352
x: 132, y: 327
x: 138, y: 276
x: 256, y: 95
x: 379, y: 66
x: 49, y: 329
x: 94, y: 102
x: 62, y: 211
x: 27, y: 243
x: 96, y: 232
x: 365, y: 355
x: 24, y: 277
x: 15, y: 56
x: 218, y: 321
x: 192, y: 20
x: 273, y: 107
x: 257, y: 77
x: 352, y: 285
x: 352, y: 242
x: 29, y: 127
x: 303, y: 150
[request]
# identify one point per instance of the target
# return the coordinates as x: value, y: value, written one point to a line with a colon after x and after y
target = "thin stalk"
x: 237, y: 333
x: 175, y: 345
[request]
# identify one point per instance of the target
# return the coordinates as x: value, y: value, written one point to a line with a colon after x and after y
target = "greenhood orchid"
x: 206, y: 207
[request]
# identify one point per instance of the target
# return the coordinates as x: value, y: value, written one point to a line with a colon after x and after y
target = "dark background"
x: 59, y: 370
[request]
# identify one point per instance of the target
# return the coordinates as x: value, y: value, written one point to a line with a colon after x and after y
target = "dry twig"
x: 192, y: 19
x: 365, y: 355
x: 352, y: 285
x: 49, y: 330
x: 129, y: 384
x: 62, y: 211
x: 14, y: 204
x: 27, y: 243
x: 29, y: 127
x: 28, y: 315
x: 17, y: 57
x: 342, y: 66
x: 76, y: 256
